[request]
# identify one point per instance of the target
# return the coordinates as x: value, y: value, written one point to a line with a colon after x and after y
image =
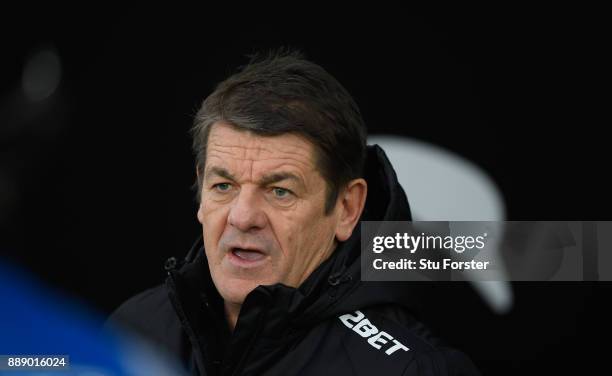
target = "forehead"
x: 228, y: 144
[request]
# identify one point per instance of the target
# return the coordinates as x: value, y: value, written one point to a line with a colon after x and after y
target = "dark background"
x: 95, y: 180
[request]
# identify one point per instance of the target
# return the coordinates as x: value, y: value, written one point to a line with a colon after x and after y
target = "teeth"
x: 248, y: 255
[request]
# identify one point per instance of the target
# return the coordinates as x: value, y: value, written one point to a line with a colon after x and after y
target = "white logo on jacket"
x: 362, y: 326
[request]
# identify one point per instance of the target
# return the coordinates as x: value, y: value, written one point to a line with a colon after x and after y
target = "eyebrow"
x: 266, y: 180
x: 219, y: 171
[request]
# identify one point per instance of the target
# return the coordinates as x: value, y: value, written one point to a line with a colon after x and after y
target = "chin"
x: 234, y: 290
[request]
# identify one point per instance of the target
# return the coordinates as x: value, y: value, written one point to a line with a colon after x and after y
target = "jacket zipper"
x: 201, y: 359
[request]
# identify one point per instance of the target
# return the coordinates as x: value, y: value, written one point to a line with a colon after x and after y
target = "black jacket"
x: 333, y: 324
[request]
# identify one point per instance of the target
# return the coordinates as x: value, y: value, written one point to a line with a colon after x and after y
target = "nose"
x: 246, y: 213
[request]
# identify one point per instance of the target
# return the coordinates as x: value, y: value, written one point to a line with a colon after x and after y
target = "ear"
x: 351, y: 204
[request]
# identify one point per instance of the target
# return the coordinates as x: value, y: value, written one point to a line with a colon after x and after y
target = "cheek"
x: 204, y: 210
x: 291, y: 245
x: 284, y: 230
x: 213, y: 221
x: 322, y: 230
x: 298, y: 232
x: 288, y: 230
x: 210, y: 212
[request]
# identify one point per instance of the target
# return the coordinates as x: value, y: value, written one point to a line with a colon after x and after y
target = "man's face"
x: 262, y: 211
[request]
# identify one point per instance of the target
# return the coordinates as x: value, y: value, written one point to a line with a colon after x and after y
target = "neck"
x: 232, y: 311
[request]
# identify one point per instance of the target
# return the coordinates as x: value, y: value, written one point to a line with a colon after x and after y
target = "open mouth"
x: 248, y: 255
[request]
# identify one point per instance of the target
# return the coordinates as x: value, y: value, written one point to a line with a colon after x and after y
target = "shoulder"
x: 150, y: 315
x: 153, y: 301
x: 392, y: 336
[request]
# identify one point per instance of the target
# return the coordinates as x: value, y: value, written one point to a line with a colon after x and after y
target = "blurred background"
x: 96, y: 166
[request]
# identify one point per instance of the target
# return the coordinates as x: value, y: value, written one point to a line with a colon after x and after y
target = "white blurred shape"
x: 443, y: 186
x: 41, y: 74
x: 440, y: 185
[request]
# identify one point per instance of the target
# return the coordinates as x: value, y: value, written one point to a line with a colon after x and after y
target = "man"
x: 273, y: 286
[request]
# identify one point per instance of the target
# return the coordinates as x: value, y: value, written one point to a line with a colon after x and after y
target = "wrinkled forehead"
x: 228, y: 145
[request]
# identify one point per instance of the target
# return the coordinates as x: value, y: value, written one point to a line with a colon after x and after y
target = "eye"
x: 222, y: 187
x: 281, y: 192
